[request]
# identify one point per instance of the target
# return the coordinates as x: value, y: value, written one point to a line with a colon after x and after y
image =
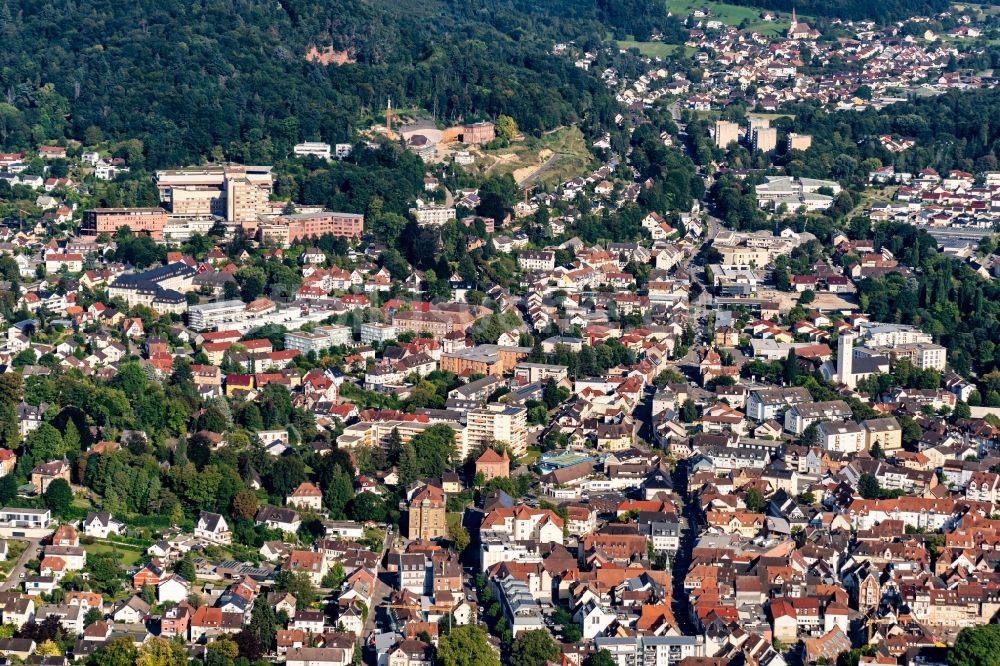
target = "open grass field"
x: 771, y: 116
x: 976, y: 9
x: 653, y: 49
x: 547, y: 160
x: 733, y: 15
x: 129, y: 554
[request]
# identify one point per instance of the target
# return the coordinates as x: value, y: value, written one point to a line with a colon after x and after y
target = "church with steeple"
x: 801, y: 30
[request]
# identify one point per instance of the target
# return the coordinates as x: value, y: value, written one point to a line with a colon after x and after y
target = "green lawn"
x: 771, y: 116
x: 653, y: 49
x: 129, y: 555
x: 531, y: 456
x: 81, y: 503
x: 733, y: 15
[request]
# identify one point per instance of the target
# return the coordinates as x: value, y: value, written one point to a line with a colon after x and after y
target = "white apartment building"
x: 726, y: 132
x: 923, y: 355
x: 500, y: 423
x: 494, y: 549
x: 801, y: 416
x: 536, y: 260
x: 14, y: 517
x: 841, y: 436
x: 799, y: 141
x: 651, y: 650
x: 540, y: 372
x: 765, y: 139
x: 432, y: 215
x: 321, y: 339
x: 210, y: 315
x: 315, y: 148
x: 796, y: 192
x: 519, y: 606
x: 373, y: 332
x: 306, y: 342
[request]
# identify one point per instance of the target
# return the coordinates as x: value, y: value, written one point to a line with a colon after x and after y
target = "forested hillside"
x: 230, y: 78
x: 880, y: 10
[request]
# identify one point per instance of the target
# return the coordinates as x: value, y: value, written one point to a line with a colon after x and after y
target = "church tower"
x: 845, y: 360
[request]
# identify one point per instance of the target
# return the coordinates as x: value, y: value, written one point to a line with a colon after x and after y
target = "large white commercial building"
x: 315, y: 148
x: 796, y: 192
x: 210, y: 315
x: 320, y: 339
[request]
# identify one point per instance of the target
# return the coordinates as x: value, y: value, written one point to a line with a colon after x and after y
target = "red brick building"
x: 287, y: 229
x: 140, y: 220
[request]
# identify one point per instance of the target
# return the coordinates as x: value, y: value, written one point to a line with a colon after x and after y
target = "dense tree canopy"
x: 533, y: 648
x: 883, y: 10
x: 170, y: 82
x: 467, y: 646
x: 976, y: 646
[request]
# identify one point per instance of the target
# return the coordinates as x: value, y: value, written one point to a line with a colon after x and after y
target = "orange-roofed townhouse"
x: 306, y: 496
x: 582, y: 520
x: 290, y: 639
x: 52, y: 566
x: 312, y: 563
x: 206, y: 621
x: 744, y: 523
x: 836, y: 615
x: 784, y: 621
x: 66, y: 535
x: 807, y: 615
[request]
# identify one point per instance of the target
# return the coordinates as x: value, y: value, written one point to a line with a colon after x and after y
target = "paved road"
x: 33, y: 551
x: 383, y: 587
x: 545, y: 166
x: 682, y: 561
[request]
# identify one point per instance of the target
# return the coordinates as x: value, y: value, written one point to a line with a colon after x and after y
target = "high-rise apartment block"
x: 726, y: 133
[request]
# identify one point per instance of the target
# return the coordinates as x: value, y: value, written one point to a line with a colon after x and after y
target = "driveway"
x: 33, y: 551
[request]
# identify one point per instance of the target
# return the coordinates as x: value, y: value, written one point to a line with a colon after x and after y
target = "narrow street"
x: 383, y: 587
x: 682, y: 561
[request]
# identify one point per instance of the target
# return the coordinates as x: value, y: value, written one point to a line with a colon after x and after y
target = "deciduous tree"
x: 463, y: 646
x: 533, y: 648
